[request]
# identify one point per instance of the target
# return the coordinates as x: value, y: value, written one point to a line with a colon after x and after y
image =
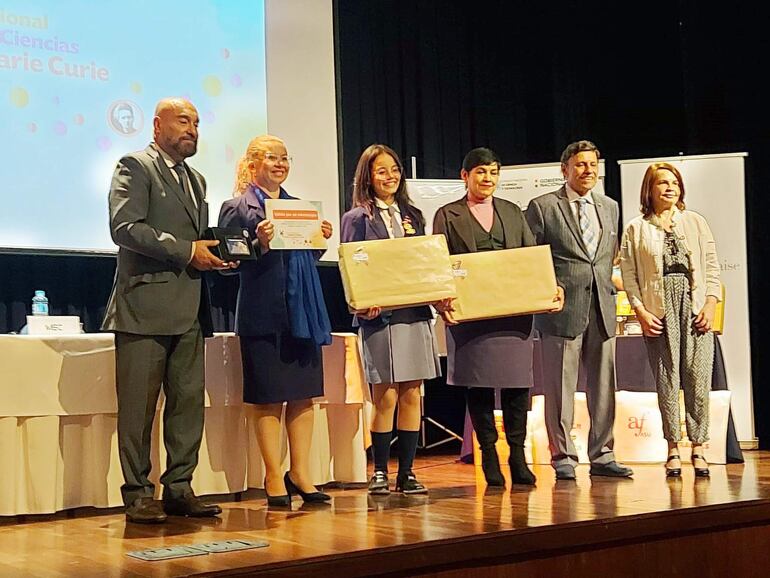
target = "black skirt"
x: 278, y: 368
x: 490, y: 353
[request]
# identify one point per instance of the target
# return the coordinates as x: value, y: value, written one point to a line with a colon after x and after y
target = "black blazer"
x: 455, y: 222
x: 358, y: 225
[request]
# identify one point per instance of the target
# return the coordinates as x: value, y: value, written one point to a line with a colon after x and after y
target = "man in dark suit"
x: 580, y: 225
x: 159, y: 311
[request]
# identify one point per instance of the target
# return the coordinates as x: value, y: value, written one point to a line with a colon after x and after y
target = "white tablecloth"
x: 58, y: 424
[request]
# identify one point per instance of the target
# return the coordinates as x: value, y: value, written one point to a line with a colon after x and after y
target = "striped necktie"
x: 395, y: 223
x: 587, y: 227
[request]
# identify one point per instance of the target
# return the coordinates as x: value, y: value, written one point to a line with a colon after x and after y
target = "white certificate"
x: 297, y: 223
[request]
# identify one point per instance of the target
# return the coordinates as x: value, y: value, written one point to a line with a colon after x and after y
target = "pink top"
x: 484, y: 211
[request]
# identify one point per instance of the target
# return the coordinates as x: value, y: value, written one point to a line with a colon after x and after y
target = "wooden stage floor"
x: 648, y: 526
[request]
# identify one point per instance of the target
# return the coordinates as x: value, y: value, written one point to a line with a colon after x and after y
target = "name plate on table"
x: 53, y: 325
x: 234, y: 243
x: 297, y: 224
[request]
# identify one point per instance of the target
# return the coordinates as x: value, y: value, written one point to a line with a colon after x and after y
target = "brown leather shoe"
x: 190, y: 505
x: 145, y: 511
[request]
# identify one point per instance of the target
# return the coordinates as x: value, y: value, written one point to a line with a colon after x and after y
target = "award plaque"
x: 234, y: 244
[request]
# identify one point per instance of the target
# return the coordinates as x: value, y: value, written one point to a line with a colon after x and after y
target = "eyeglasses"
x: 383, y: 172
x: 275, y: 159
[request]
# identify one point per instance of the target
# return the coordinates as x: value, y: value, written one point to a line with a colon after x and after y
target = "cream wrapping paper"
x: 395, y: 273
x: 503, y: 283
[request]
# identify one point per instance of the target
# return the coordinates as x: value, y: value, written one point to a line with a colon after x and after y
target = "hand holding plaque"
x: 234, y: 243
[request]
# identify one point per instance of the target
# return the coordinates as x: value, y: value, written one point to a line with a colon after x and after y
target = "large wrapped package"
x: 503, y: 283
x: 395, y: 273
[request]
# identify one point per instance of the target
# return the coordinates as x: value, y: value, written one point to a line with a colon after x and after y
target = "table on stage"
x: 58, y: 424
x: 634, y: 376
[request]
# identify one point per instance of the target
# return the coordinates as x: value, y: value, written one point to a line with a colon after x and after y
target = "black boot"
x: 481, y: 405
x: 515, y: 402
x: 490, y: 465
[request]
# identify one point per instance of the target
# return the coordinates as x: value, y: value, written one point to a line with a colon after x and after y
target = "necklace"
x: 670, y: 240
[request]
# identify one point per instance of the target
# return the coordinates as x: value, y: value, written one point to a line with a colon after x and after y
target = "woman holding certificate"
x: 487, y: 354
x: 671, y: 275
x: 399, y: 347
x: 282, y: 322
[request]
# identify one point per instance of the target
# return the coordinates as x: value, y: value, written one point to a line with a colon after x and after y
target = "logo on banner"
x: 636, y: 424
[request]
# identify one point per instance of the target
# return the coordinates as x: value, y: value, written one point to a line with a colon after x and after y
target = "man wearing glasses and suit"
x: 580, y: 225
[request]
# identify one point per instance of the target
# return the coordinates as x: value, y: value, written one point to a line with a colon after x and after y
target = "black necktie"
x: 182, y: 174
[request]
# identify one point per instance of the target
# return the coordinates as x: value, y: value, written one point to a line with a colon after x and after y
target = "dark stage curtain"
x: 435, y: 78
x: 74, y: 285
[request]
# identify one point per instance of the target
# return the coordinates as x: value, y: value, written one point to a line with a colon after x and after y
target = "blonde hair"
x: 255, y: 148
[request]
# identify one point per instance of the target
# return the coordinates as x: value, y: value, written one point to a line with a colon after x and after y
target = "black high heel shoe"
x: 292, y: 488
x: 673, y: 472
x: 278, y: 501
x: 700, y: 472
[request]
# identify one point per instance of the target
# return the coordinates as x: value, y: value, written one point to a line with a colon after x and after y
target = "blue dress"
x: 277, y: 366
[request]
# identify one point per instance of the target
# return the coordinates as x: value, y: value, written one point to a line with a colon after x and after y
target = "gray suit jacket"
x: 553, y: 223
x: 154, y: 224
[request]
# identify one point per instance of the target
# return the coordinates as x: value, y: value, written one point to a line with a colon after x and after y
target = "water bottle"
x: 40, y: 303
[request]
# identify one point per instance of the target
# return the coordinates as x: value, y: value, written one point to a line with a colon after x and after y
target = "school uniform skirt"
x: 397, y: 352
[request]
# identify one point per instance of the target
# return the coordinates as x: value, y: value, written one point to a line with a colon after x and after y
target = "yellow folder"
x: 718, y: 326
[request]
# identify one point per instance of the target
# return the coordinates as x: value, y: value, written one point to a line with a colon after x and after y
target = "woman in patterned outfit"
x: 671, y: 275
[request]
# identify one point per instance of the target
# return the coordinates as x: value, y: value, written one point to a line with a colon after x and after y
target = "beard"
x: 185, y: 147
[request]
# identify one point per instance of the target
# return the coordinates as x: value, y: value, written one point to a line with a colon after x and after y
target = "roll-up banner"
x: 715, y: 188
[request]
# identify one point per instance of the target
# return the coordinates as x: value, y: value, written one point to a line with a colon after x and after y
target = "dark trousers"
x: 514, y: 403
x: 144, y: 364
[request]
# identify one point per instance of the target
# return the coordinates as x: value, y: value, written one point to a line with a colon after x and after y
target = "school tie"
x: 395, y: 222
x: 587, y: 227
